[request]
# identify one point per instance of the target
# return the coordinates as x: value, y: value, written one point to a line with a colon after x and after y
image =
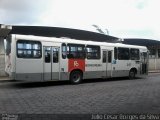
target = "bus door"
x: 107, y: 63
x: 51, y: 63
x: 144, y: 63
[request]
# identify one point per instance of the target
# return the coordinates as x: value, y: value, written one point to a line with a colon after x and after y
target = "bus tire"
x: 132, y: 74
x: 76, y: 77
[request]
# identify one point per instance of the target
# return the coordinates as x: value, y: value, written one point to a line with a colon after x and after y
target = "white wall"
x: 154, y: 63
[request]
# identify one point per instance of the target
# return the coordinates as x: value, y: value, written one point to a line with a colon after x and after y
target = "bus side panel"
x: 28, y: 68
x: 93, y: 69
x: 136, y: 64
x: 64, y: 68
x: 121, y: 68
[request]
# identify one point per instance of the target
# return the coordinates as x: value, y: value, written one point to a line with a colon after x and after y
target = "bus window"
x: 109, y: 56
x: 75, y: 51
x: 55, y: 55
x: 36, y: 53
x: 123, y: 53
x: 27, y: 53
x: 104, y: 56
x: 47, y: 54
x: 93, y: 52
x: 115, y: 53
x: 29, y: 49
x: 64, y: 51
x: 134, y: 54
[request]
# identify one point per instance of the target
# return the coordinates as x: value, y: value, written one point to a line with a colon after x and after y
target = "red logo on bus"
x: 76, y: 64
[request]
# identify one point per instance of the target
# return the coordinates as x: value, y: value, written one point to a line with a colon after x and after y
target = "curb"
x: 153, y: 71
x: 4, y: 78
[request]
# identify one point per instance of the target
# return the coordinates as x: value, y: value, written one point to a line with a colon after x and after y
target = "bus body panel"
x: 93, y: 69
x: 28, y: 69
x: 106, y: 66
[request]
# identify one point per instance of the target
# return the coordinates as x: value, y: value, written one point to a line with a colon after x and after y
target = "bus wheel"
x: 132, y: 74
x: 76, y: 77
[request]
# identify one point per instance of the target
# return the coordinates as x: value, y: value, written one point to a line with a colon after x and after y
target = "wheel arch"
x: 133, y: 68
x: 76, y: 76
x: 76, y: 70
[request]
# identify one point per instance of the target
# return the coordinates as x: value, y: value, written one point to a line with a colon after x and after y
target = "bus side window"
x: 115, y: 53
x: 104, y: 56
x: 55, y: 55
x: 76, y: 51
x: 134, y: 54
x: 123, y: 54
x: 93, y: 52
x: 64, y: 51
x: 109, y: 56
x: 29, y: 49
x: 47, y: 54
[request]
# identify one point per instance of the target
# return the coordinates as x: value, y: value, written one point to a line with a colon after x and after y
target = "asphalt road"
x: 114, y: 96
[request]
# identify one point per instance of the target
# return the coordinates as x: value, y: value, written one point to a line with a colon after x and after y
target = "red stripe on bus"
x: 76, y: 64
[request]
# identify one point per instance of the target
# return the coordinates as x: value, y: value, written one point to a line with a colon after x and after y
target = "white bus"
x: 38, y: 58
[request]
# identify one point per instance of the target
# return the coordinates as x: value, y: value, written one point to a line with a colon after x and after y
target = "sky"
x: 122, y: 18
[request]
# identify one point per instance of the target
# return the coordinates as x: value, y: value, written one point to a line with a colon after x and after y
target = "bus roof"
x: 75, y: 41
x: 63, y: 32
